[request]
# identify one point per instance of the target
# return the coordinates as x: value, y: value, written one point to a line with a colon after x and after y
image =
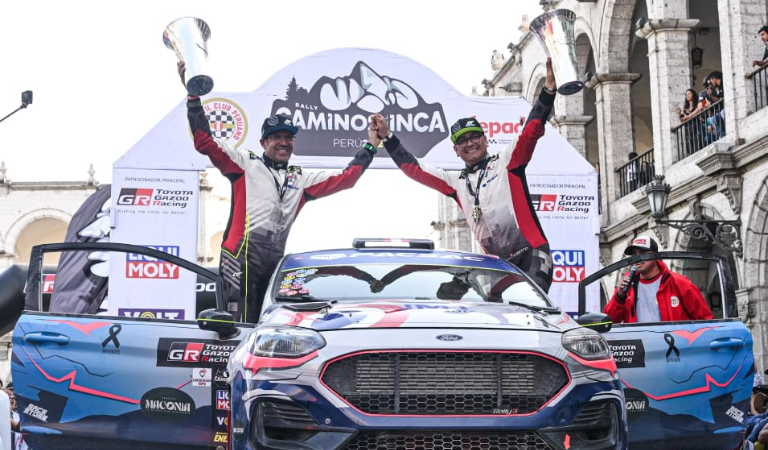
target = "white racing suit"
x: 507, y: 225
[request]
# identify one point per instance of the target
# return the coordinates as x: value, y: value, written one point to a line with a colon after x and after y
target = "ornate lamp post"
x: 723, y: 233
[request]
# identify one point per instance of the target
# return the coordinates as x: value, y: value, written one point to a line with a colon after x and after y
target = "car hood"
x: 414, y: 314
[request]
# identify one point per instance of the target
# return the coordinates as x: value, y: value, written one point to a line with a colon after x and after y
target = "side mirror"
x: 599, y: 322
x: 219, y: 321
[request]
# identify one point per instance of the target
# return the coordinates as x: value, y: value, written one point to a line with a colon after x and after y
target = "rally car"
x: 376, y: 346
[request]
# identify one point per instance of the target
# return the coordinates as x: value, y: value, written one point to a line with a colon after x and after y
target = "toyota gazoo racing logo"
x: 568, y: 266
x: 562, y: 203
x: 187, y: 354
x: 177, y: 198
x: 227, y: 120
x: 143, y: 266
x: 333, y: 113
x: 544, y: 202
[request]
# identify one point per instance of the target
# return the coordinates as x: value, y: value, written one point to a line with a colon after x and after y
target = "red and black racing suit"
x: 507, y: 225
x: 276, y: 193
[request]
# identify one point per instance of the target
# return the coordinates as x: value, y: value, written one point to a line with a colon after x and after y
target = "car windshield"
x: 406, y: 281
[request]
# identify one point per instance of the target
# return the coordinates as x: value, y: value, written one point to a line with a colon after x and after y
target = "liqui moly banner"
x: 157, y: 209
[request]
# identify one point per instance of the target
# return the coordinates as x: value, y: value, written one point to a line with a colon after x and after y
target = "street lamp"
x: 723, y: 233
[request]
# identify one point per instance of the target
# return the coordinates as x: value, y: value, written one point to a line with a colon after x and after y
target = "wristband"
x: 549, y: 91
x: 387, y: 137
x: 368, y: 146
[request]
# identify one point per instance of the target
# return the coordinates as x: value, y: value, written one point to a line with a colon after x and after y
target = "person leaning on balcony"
x: 658, y: 294
x: 690, y: 106
x: 763, y: 33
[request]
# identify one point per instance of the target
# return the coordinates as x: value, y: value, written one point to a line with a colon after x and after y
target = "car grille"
x: 448, y: 440
x: 445, y: 383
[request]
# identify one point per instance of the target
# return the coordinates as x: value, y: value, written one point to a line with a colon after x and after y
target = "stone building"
x: 638, y: 58
x: 39, y: 212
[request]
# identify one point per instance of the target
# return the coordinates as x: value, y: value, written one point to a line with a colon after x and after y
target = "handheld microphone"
x: 632, y: 272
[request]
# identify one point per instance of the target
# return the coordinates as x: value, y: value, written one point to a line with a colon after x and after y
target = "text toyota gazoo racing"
x: 414, y: 348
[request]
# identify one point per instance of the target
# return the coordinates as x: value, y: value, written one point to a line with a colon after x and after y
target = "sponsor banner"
x: 567, y: 208
x: 157, y: 209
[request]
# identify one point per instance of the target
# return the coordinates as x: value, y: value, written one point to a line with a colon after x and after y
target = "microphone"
x: 632, y: 271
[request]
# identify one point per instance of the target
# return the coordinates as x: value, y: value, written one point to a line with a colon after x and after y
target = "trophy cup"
x: 554, y: 30
x: 188, y: 37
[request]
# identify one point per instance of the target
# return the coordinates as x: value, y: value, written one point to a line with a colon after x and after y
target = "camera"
x: 26, y: 98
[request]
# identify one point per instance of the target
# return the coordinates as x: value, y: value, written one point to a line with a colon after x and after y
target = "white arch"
x: 12, y: 235
x: 537, y: 77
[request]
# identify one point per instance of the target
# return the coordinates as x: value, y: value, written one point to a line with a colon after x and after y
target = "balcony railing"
x: 698, y: 131
x: 760, y: 80
x: 636, y: 173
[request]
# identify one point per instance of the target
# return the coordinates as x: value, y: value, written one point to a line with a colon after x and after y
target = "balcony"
x: 636, y: 173
x: 698, y: 131
x: 759, y: 79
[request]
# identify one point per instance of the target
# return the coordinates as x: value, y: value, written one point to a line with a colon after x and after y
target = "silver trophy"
x: 188, y: 37
x: 554, y: 29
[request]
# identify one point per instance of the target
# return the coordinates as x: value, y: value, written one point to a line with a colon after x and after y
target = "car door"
x: 97, y: 381
x: 687, y: 384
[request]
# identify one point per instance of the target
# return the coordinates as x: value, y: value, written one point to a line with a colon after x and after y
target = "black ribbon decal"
x: 671, y: 342
x: 113, y: 331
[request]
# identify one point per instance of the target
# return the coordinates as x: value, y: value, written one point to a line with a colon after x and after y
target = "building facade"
x: 638, y: 58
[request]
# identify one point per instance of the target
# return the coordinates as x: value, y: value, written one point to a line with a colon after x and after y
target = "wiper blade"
x: 305, y: 298
x: 546, y: 309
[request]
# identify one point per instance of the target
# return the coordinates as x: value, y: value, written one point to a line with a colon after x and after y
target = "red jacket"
x: 678, y: 299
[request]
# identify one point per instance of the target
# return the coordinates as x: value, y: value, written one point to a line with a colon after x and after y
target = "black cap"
x: 463, y: 126
x: 642, y: 243
x: 276, y: 123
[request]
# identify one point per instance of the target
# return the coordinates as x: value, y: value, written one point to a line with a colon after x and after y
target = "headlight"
x: 586, y: 343
x: 284, y: 342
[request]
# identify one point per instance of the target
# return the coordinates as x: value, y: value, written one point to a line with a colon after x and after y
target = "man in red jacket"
x: 659, y: 295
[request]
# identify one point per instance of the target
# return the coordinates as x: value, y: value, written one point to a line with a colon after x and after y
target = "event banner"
x: 330, y: 96
x: 157, y: 209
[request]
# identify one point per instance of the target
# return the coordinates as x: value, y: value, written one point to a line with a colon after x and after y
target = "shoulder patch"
x: 252, y: 155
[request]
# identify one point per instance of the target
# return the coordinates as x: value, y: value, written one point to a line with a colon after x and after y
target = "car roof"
x: 387, y: 255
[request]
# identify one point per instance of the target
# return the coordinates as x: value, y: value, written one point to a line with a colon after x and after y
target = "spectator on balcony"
x: 690, y: 106
x: 632, y: 172
x: 763, y: 33
x: 691, y: 129
x: 646, y: 173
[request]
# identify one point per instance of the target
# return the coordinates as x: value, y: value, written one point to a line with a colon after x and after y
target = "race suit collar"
x: 479, y: 166
x: 272, y: 164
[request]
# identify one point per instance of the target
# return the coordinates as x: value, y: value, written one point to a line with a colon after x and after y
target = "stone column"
x: 574, y: 129
x: 739, y: 46
x: 614, y: 131
x: 670, y: 68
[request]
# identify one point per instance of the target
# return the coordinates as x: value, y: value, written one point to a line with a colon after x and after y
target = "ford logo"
x: 449, y: 337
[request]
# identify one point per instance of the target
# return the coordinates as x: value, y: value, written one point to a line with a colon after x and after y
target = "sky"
x: 102, y: 78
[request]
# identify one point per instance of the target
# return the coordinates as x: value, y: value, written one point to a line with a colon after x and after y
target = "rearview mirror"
x: 596, y: 321
x: 218, y: 321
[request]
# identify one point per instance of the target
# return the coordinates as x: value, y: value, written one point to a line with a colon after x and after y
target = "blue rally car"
x: 385, y: 345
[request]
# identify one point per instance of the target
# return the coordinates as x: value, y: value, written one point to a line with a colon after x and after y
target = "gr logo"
x: 134, y: 196
x: 544, y: 202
